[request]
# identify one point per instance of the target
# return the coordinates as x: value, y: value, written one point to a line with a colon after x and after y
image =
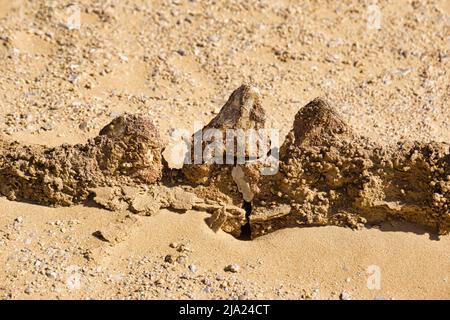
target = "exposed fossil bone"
x: 330, y: 175
x: 243, y: 111
x: 126, y: 152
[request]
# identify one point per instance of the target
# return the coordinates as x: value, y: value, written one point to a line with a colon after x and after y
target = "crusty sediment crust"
x: 328, y: 175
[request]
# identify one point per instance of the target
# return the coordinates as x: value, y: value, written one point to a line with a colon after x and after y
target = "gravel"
x: 234, y: 268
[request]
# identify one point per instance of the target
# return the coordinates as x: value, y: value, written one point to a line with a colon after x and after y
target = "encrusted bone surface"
x: 126, y: 152
x: 242, y: 111
x: 328, y: 175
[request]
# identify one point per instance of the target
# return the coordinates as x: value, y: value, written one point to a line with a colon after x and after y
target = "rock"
x: 29, y: 290
x: 345, y: 296
x: 329, y: 175
x: 83, y: 125
x: 193, y: 268
x: 208, y: 290
x: 108, y: 198
x: 217, y: 219
x: 51, y: 274
x: 175, y: 153
x: 168, y: 258
x: 173, y: 245
x: 145, y: 204
x: 182, y: 260
x: 118, y: 230
x: 234, y: 268
x: 228, y: 218
x: 242, y: 111
x: 126, y: 152
x: 178, y: 199
x: 184, y: 248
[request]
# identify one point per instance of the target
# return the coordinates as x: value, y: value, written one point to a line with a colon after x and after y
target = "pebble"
x: 29, y: 290
x: 168, y: 258
x: 234, y: 268
x: 345, y: 296
x: 181, y: 259
x: 173, y: 245
x: 193, y: 268
x: 123, y: 58
x: 51, y: 274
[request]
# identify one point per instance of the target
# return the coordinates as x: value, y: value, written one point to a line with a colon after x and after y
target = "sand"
x: 178, y: 61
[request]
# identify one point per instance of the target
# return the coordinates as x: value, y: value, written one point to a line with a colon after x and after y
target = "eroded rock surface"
x: 330, y: 175
x: 126, y: 152
x: 242, y: 112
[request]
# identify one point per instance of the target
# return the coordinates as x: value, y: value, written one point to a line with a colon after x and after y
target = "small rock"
x: 193, y: 268
x: 19, y: 220
x: 219, y: 278
x: 51, y: 274
x: 168, y: 259
x: 29, y: 290
x: 232, y: 268
x: 83, y: 125
x: 345, y: 296
x: 173, y: 245
x: 208, y: 290
x: 73, y: 78
x: 184, y: 248
x: 181, y: 259
x: 123, y: 58
x: 37, y: 264
x: 47, y: 126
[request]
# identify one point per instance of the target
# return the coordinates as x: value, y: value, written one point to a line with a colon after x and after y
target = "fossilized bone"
x: 328, y: 174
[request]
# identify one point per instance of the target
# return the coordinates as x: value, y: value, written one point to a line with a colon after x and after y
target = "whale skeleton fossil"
x: 328, y: 174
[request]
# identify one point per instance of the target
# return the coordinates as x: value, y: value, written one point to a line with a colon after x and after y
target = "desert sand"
x: 177, y: 62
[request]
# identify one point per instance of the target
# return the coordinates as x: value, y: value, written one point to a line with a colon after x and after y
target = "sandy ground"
x: 178, y: 61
